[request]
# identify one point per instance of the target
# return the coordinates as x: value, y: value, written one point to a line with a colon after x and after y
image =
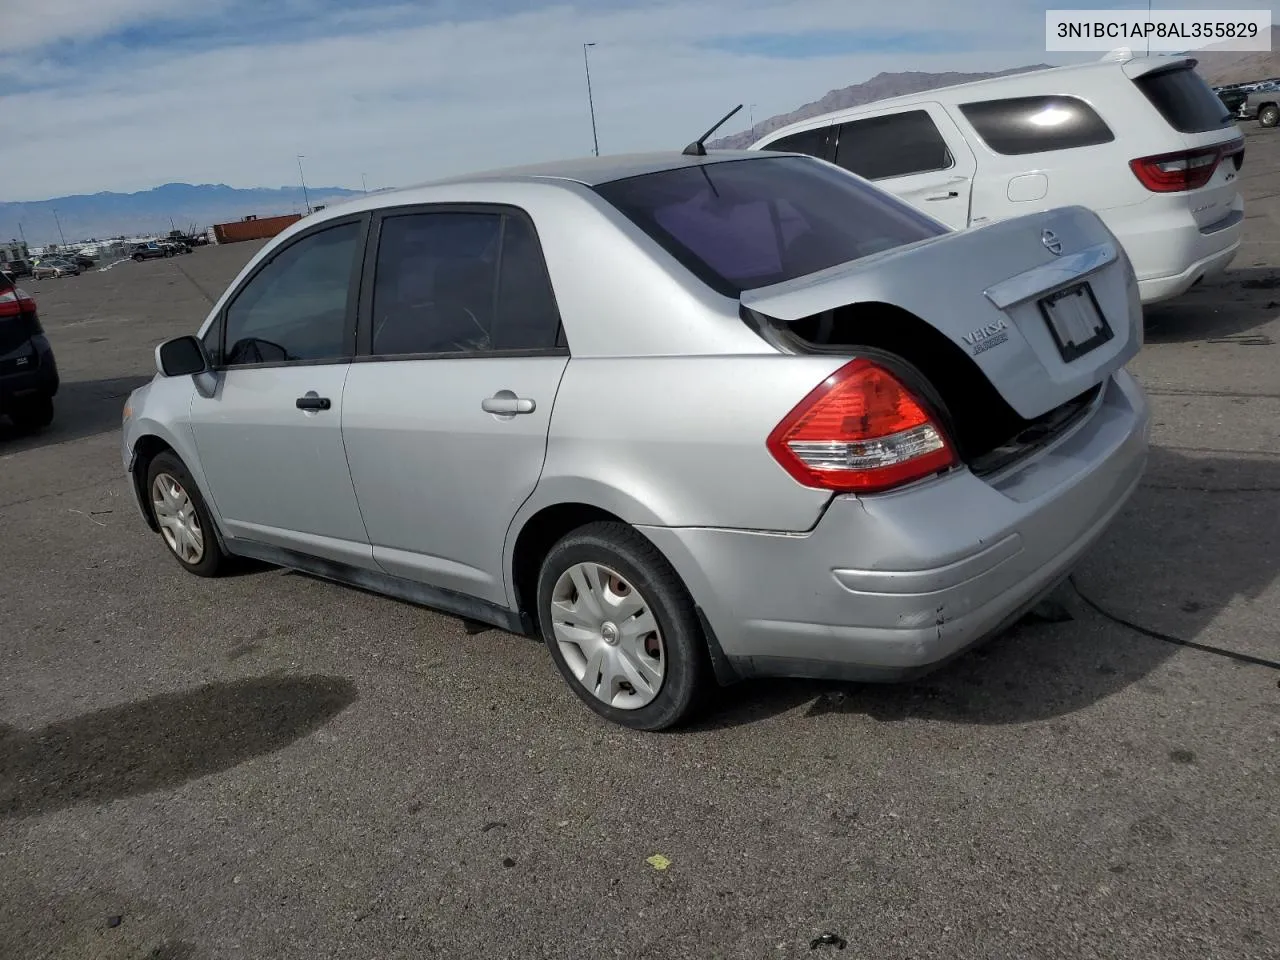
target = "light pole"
x: 305, y: 198
x: 59, y: 223
x: 586, y: 65
x: 364, y: 183
x: 751, y: 112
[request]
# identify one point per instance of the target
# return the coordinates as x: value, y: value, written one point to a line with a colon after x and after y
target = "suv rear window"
x: 742, y: 224
x: 1021, y: 125
x: 1185, y: 100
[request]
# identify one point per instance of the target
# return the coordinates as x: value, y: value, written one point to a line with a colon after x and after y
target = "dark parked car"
x: 150, y: 251
x: 16, y: 268
x: 81, y: 260
x: 28, y: 373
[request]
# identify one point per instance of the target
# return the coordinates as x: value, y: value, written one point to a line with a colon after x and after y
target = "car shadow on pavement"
x: 161, y: 742
x: 1231, y: 309
x: 1201, y: 533
x: 81, y: 409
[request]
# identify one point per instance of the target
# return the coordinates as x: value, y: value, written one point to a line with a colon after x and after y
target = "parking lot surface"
x: 273, y: 766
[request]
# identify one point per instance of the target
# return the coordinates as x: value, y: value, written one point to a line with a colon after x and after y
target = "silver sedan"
x: 690, y: 419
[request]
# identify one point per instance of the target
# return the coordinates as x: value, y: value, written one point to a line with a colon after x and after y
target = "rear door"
x: 916, y: 153
x: 447, y: 409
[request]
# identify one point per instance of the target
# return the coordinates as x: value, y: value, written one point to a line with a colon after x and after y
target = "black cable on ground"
x: 203, y: 293
x: 1167, y: 638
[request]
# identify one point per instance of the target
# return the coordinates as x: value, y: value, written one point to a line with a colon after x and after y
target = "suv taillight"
x: 860, y: 431
x: 17, y: 303
x: 1183, y: 170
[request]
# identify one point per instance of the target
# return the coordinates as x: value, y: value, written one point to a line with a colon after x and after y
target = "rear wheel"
x: 621, y: 627
x: 32, y: 413
x: 183, y: 518
x: 137, y: 258
x: 1269, y: 115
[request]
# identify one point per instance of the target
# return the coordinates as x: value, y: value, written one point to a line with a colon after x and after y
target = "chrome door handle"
x: 506, y: 403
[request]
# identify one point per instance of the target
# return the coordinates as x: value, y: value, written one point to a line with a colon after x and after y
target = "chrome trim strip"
x: 1039, y: 280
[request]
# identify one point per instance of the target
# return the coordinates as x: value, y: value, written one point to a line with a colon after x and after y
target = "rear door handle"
x: 312, y: 402
x: 506, y: 403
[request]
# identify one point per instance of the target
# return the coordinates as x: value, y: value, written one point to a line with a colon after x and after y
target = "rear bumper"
x: 1171, y: 253
x: 38, y: 377
x: 887, y: 587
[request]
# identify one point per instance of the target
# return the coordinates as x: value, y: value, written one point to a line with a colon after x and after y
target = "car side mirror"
x: 181, y: 356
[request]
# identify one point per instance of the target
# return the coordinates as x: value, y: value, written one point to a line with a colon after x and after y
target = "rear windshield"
x: 1185, y: 100
x: 741, y: 224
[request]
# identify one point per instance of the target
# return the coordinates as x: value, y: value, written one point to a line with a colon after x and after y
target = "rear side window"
x: 742, y: 224
x: 1021, y: 125
x: 1185, y: 100
x: 451, y: 282
x: 892, y: 146
x: 812, y: 142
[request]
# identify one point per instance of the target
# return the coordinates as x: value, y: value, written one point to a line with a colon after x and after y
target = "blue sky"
x: 127, y: 94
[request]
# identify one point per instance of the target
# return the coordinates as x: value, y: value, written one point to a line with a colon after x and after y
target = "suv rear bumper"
x: 1171, y: 253
x: 890, y: 586
x: 36, y: 378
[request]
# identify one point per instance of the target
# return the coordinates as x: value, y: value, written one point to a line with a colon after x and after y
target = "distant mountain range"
x: 102, y: 215
x: 184, y: 205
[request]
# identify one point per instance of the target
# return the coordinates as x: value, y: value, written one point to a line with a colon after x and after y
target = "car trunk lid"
x: 1046, y: 305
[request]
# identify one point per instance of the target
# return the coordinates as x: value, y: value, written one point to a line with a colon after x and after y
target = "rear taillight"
x: 17, y: 303
x: 861, y: 430
x: 1184, y: 170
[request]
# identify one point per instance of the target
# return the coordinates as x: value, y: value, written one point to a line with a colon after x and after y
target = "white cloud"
x: 424, y: 100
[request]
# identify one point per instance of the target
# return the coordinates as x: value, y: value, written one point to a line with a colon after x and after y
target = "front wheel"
x: 137, y: 258
x: 183, y: 518
x: 1269, y: 115
x: 622, y: 628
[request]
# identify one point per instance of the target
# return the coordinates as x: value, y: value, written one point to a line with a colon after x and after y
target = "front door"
x: 917, y: 154
x: 269, y: 433
x: 446, y: 415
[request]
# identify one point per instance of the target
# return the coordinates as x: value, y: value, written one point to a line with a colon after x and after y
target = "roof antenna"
x: 696, y: 149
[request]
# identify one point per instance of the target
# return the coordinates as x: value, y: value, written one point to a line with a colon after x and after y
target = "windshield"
x: 742, y: 224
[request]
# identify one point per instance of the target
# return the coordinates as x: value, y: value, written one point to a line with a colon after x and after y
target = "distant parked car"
x: 28, y: 373
x: 83, y: 260
x: 1143, y: 142
x: 16, y: 268
x: 686, y: 417
x: 55, y: 267
x: 150, y: 251
x: 1262, y: 104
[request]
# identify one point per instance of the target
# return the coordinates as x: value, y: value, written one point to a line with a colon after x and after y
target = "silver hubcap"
x: 608, y: 636
x: 179, y: 522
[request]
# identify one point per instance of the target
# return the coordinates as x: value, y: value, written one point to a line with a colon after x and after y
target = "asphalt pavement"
x: 271, y: 766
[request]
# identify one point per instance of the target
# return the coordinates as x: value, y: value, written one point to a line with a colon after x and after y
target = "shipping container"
x: 252, y: 228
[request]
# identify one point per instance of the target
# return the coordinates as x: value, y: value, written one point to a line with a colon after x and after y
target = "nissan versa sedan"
x: 689, y: 419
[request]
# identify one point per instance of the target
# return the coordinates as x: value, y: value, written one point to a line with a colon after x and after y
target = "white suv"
x: 1144, y: 142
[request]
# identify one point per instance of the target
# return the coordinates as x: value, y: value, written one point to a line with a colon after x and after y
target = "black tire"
x: 688, y: 673
x: 32, y: 413
x: 212, y: 561
x: 138, y: 258
x: 1269, y: 115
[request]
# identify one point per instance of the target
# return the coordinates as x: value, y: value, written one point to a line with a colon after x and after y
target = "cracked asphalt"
x: 273, y: 766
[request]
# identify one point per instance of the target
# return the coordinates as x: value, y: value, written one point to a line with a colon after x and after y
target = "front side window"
x: 296, y: 307
x: 1022, y: 125
x: 461, y: 283
x: 896, y: 145
x: 742, y: 224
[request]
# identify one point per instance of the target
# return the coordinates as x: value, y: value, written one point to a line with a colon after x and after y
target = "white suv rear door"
x: 916, y: 153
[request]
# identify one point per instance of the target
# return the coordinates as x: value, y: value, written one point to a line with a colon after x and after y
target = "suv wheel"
x: 1269, y: 115
x: 138, y: 258
x: 34, y: 413
x: 183, y: 518
x: 621, y: 627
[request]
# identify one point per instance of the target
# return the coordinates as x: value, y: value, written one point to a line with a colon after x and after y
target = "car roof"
x: 1027, y: 83
x: 593, y: 171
